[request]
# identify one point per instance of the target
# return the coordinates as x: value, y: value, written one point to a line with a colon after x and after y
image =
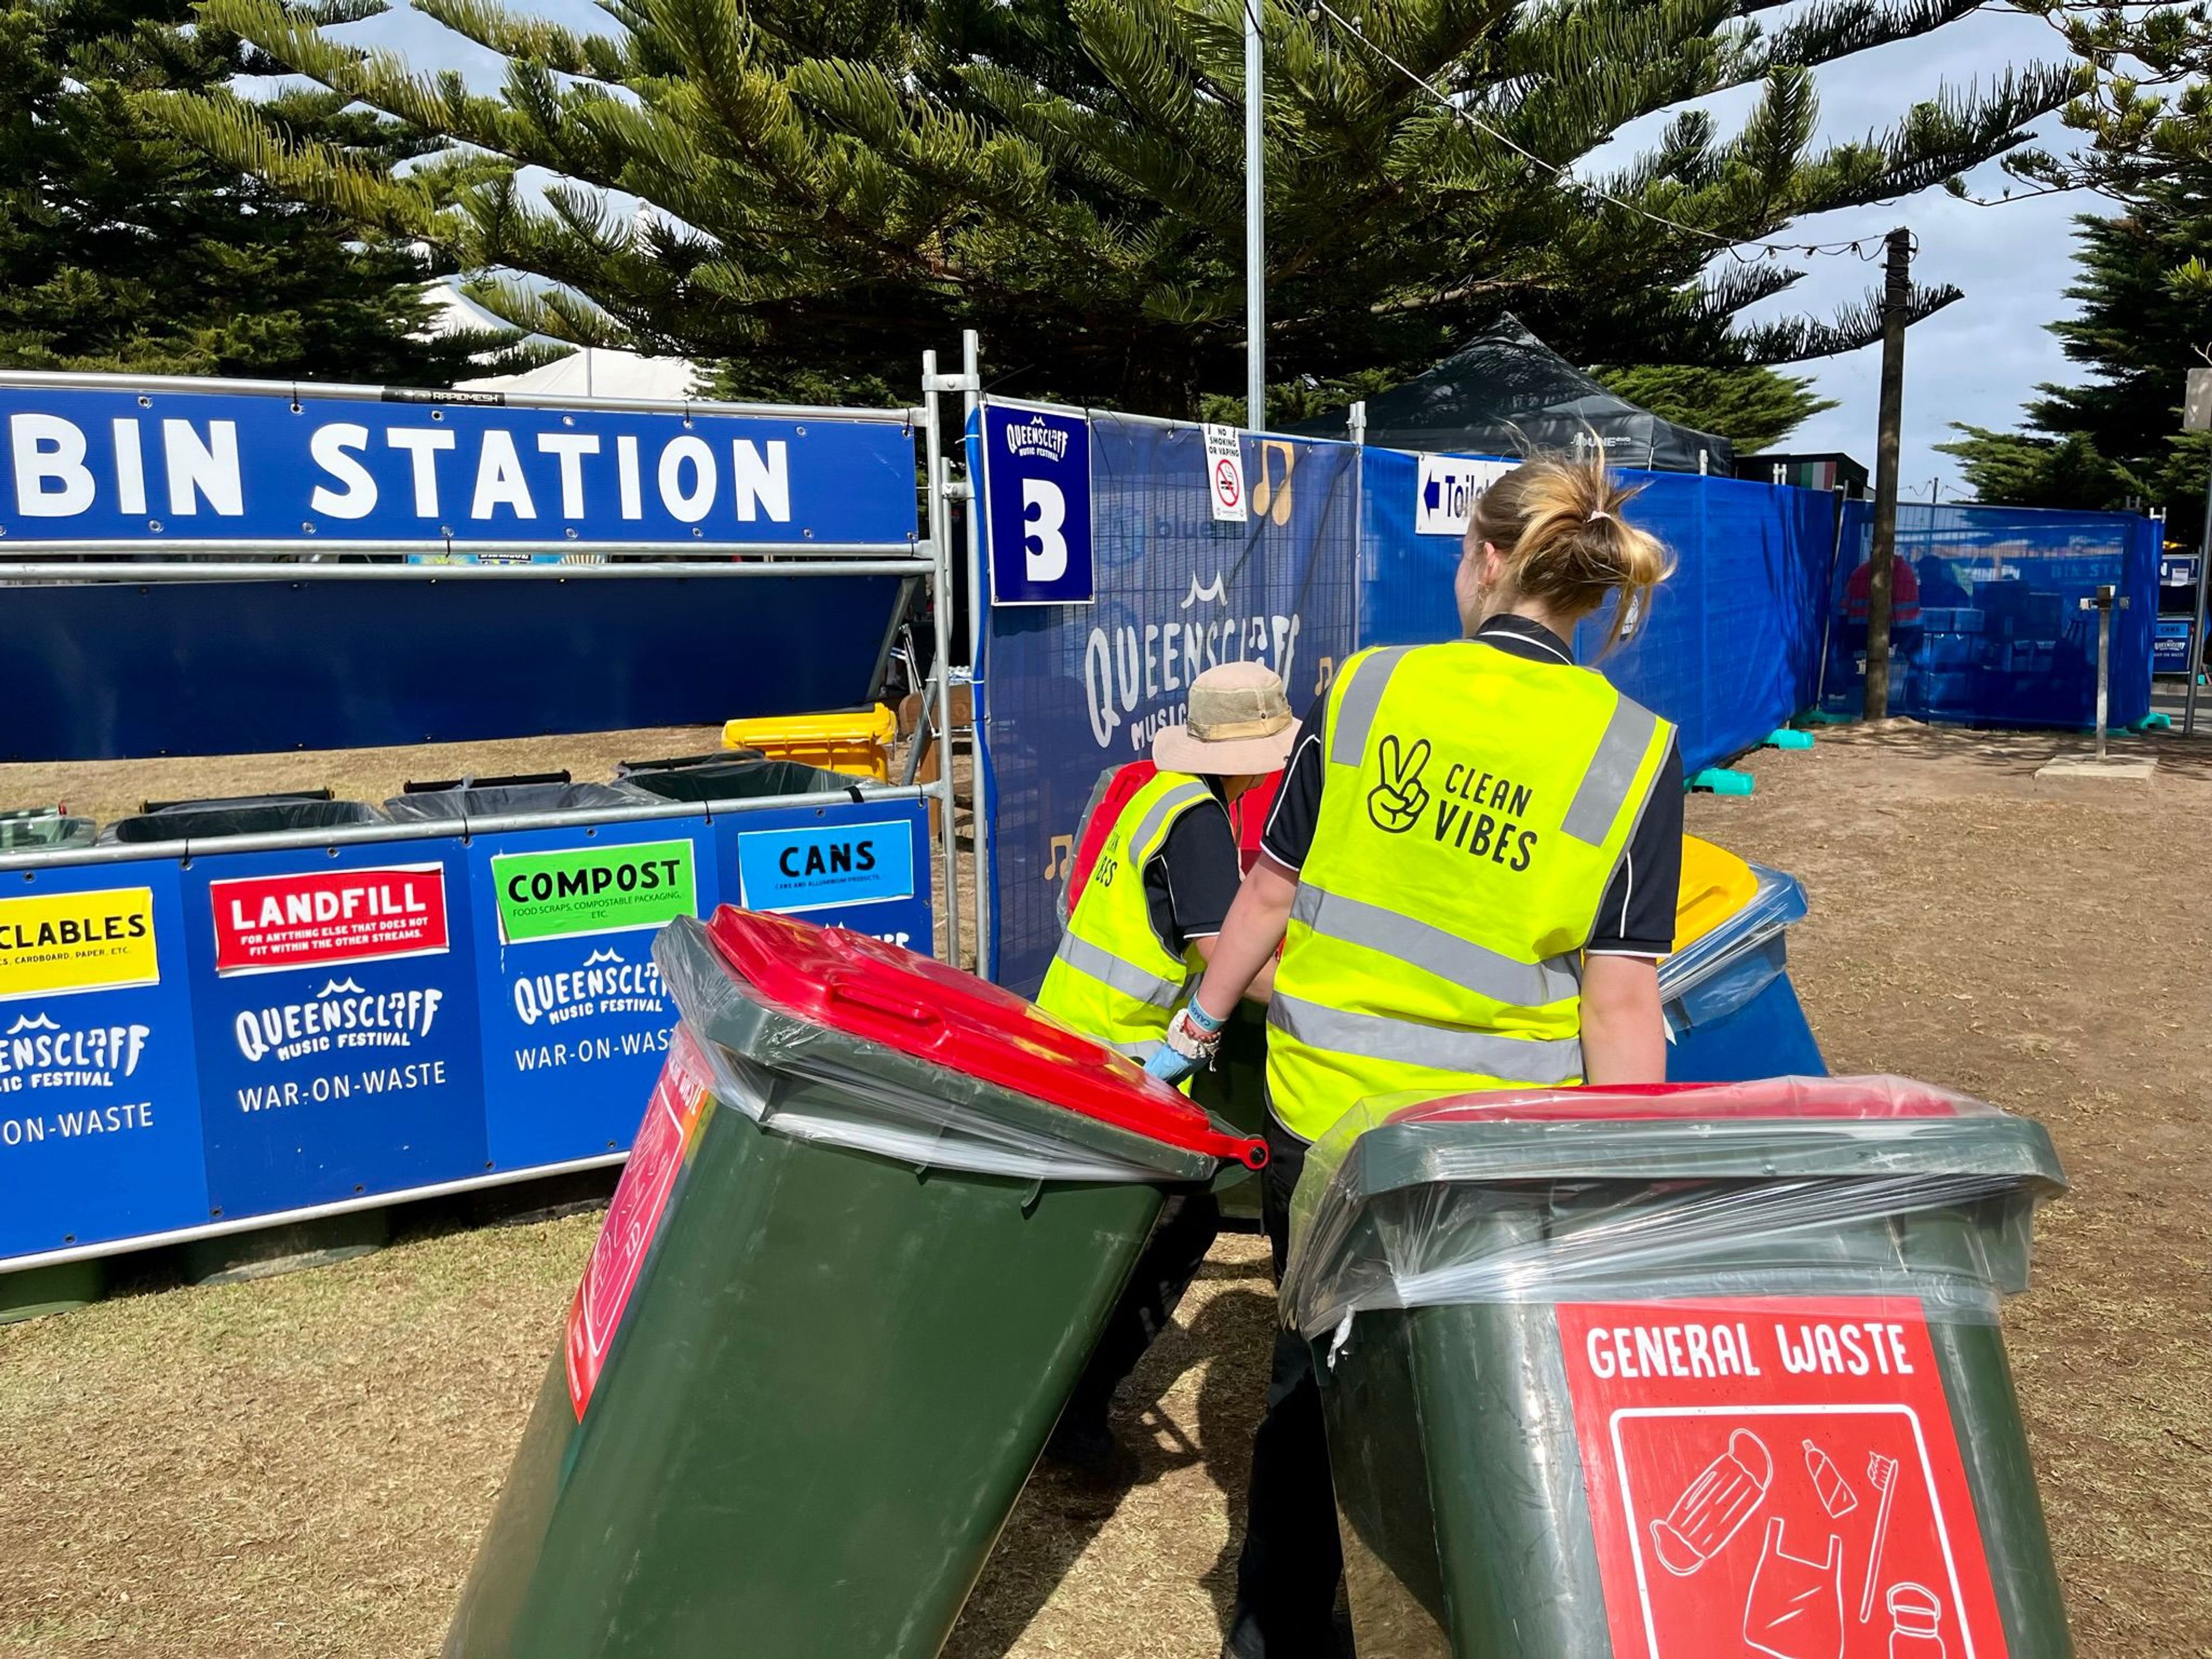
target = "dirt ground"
x: 300, y: 1466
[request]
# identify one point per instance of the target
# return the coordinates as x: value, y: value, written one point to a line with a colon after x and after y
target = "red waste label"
x: 325, y: 916
x: 1777, y: 1478
x: 633, y: 1217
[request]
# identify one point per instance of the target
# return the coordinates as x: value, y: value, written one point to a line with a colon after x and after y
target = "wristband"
x: 1199, y: 1018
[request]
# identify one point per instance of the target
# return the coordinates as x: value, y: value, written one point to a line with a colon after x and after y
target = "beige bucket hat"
x: 1240, y: 724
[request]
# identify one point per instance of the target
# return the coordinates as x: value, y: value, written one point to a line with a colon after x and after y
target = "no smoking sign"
x: 1225, y: 465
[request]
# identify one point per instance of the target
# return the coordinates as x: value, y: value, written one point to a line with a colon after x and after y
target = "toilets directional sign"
x: 1450, y: 486
x: 1036, y: 496
x: 284, y: 464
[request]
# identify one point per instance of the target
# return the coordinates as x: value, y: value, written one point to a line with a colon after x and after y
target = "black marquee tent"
x: 1506, y: 392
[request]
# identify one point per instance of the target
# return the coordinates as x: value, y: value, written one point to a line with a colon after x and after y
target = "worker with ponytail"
x: 1470, y: 871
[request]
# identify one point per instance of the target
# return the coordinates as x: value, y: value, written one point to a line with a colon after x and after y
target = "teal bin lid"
x: 1780, y: 1186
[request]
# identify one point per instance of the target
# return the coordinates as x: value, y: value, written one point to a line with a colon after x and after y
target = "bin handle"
x: 861, y: 994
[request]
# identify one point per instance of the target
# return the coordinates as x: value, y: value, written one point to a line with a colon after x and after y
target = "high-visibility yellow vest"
x: 1111, y: 978
x: 1475, y: 806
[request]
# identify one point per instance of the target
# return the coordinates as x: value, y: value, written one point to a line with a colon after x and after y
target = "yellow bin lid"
x: 1716, y: 885
x: 876, y: 724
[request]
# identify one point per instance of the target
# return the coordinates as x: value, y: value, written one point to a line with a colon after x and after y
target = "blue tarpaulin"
x: 1732, y: 647
x: 1987, y: 624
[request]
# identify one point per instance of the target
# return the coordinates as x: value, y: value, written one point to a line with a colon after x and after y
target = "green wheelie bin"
x: 869, y: 1229
x: 1677, y: 1372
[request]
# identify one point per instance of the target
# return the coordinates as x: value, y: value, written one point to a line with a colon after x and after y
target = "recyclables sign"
x: 592, y: 889
x: 82, y: 464
x: 318, y: 917
x: 91, y: 941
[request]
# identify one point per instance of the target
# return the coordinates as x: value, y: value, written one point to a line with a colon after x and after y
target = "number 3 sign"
x: 1036, y: 490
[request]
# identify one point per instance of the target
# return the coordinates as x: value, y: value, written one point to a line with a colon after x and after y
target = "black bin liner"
x: 485, y: 801
x: 240, y: 814
x: 733, y: 780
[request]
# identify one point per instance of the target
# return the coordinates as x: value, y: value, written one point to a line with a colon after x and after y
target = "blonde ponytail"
x: 1559, y: 526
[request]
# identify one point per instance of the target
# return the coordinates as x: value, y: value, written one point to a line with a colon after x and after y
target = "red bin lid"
x: 866, y: 988
x: 1801, y: 1098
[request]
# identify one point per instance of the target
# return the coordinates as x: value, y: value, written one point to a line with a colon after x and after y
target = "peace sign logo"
x: 1397, y: 801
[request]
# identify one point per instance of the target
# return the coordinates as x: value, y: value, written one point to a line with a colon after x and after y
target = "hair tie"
x: 1594, y: 517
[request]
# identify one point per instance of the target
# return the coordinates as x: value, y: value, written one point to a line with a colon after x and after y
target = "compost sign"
x: 439, y: 469
x: 1784, y: 1470
x: 573, y: 891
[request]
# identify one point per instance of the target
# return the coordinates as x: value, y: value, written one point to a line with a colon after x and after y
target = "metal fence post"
x: 941, y: 615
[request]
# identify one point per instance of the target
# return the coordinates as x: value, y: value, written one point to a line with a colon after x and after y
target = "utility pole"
x: 1897, y: 288
x: 1255, y: 229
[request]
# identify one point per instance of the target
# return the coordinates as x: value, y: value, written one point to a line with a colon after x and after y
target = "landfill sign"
x: 576, y: 891
x: 1780, y: 1471
x: 316, y: 918
x: 1224, y: 473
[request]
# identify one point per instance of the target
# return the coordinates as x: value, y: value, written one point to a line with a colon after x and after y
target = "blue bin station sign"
x: 85, y: 465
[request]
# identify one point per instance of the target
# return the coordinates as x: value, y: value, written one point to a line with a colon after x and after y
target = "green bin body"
x: 1530, y: 1458
x: 841, y: 1352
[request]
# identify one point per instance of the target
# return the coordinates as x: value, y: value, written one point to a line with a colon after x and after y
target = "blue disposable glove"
x: 1170, y: 1066
x: 1193, y: 1037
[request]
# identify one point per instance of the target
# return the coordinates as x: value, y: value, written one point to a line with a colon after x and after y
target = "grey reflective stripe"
x: 1605, y: 787
x: 1169, y: 807
x: 1126, y: 977
x: 1136, y: 1050
x: 1354, y: 717
x: 1540, y: 1060
x: 1476, y: 967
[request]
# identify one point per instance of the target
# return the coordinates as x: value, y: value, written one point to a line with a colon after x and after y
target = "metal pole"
x: 979, y: 619
x: 1255, y: 229
x: 1897, y: 287
x: 1355, y: 424
x: 2197, y: 626
x: 2103, y: 603
x: 941, y: 614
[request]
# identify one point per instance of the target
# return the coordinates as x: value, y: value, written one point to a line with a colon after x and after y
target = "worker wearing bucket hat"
x: 1139, y: 931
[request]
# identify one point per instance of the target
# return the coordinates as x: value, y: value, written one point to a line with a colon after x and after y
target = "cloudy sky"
x: 1975, y: 362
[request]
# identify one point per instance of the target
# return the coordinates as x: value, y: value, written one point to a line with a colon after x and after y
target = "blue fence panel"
x: 115, y: 669
x: 334, y: 1002
x: 1073, y: 689
x: 100, y: 1137
x: 256, y: 1033
x: 1988, y: 627
x: 1731, y: 649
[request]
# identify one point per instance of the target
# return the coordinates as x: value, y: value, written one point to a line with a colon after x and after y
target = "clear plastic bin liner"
x: 498, y: 800
x: 795, y: 1077
x: 44, y: 828
x: 1718, y: 973
x: 206, y: 821
x: 1786, y: 1186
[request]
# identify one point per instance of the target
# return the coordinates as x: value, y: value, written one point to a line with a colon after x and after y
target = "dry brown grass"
x: 300, y: 1466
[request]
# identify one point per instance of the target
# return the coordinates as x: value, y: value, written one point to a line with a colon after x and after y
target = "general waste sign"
x: 263, y: 923
x: 1776, y: 1477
